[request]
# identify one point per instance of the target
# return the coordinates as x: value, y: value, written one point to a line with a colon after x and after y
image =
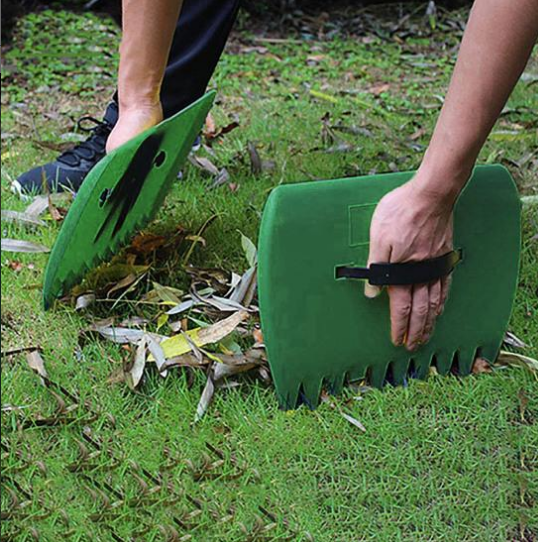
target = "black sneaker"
x: 69, y: 170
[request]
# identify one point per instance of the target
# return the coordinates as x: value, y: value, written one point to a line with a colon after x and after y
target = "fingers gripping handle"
x: 404, y: 273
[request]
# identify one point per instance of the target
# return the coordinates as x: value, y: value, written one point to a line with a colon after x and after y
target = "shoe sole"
x: 16, y: 189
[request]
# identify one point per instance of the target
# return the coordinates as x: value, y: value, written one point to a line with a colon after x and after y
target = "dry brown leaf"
x: 221, y: 303
x: 204, y: 164
x: 56, y: 213
x: 243, y: 292
x: 315, y: 59
x: 418, y: 134
x: 253, y: 355
x: 512, y: 340
x: 257, y: 335
x: 145, y: 243
x: 175, y: 326
x: 117, y: 376
x: 123, y: 283
x: 517, y: 360
x: 38, y: 206
x: 183, y: 343
x: 185, y: 360
x: 210, y: 127
x: 481, y: 365
x: 134, y: 376
x: 18, y: 245
x: 131, y: 321
x: 353, y: 421
x: 228, y: 128
x: 84, y: 301
x: 216, y: 332
x: 255, y: 160
x: 205, y: 399
x: 216, y: 278
x: 37, y: 363
x: 15, y: 265
x: 211, y: 132
x: 326, y: 399
x: 157, y: 352
x: 185, y: 305
x: 223, y: 370
x: 223, y: 177
x: 22, y: 218
x: 376, y: 90
x: 122, y: 335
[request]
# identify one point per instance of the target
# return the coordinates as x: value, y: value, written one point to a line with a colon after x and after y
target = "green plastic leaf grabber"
x: 120, y: 195
x: 319, y: 328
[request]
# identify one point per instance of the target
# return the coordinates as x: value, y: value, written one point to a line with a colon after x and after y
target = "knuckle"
x: 422, y: 309
x: 403, y: 310
x: 399, y: 250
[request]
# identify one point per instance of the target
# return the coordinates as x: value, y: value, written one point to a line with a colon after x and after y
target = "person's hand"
x: 411, y: 224
x: 132, y: 121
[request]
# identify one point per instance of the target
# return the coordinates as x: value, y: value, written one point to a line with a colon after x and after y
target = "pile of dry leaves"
x: 225, y: 339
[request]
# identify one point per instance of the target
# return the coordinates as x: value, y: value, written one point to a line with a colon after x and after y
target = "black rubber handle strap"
x: 402, y: 274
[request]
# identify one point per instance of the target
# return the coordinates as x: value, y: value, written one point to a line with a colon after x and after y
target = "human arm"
x: 148, y: 28
x: 414, y: 222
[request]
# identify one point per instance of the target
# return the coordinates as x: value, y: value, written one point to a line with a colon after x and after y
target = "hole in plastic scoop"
x: 103, y: 197
x: 159, y: 159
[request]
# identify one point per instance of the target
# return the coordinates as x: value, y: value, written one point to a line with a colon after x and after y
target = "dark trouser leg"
x: 200, y: 36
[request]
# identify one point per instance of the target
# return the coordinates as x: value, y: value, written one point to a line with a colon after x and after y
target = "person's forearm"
x: 148, y: 27
x: 496, y: 45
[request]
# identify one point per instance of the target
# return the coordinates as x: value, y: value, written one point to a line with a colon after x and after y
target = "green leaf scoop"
x: 120, y: 195
x: 320, y: 329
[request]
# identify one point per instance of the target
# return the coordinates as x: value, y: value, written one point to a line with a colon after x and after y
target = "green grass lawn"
x: 447, y: 459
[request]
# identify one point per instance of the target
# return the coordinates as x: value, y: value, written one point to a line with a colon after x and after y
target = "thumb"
x: 379, y: 253
x: 371, y: 291
x: 114, y: 139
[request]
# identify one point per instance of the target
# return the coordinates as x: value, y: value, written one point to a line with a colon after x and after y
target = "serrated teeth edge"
x: 60, y: 284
